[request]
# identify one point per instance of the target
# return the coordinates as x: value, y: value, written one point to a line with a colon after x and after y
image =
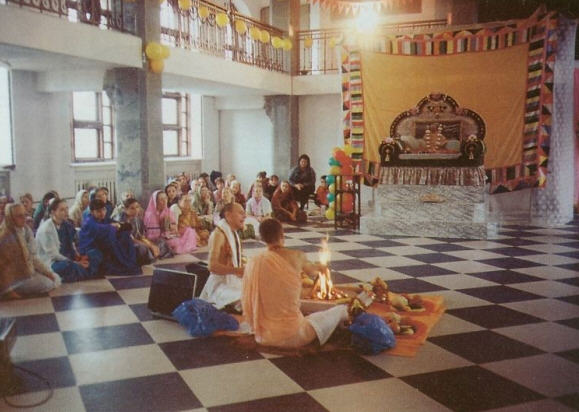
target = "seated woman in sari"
x: 22, y: 273
x: 188, y: 221
x: 285, y: 208
x: 40, y: 211
x: 204, y: 208
x: 27, y: 201
x: 226, y: 198
x: 3, y: 203
x: 237, y: 195
x: 147, y: 250
x: 56, y: 248
x: 271, y: 292
x: 112, y: 239
x: 258, y: 208
x: 79, y: 206
x: 172, y: 192
x: 160, y: 224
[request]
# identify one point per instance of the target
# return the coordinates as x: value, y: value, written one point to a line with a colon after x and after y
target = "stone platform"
x: 429, y: 211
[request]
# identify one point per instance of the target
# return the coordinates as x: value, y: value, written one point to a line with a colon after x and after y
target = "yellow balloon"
x: 332, y: 188
x: 287, y: 44
x: 335, y: 170
x: 254, y: 33
x: 264, y: 36
x: 185, y: 4
x: 157, y: 66
x: 330, y: 214
x: 166, y: 52
x: 222, y: 19
x: 332, y: 42
x: 154, y: 51
x: 240, y: 26
x: 203, y: 12
x: 308, y: 42
x: 348, y: 149
x: 276, y: 42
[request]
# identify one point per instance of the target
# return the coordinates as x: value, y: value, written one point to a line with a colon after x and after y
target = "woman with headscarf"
x: 27, y: 201
x: 187, y: 219
x: 40, y: 211
x: 302, y: 178
x: 284, y: 206
x: 56, y: 248
x: 101, y: 193
x: 120, y: 207
x: 21, y: 272
x: 160, y: 224
x: 80, y: 204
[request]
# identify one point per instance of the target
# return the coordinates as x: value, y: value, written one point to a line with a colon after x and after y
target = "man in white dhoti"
x: 224, y: 284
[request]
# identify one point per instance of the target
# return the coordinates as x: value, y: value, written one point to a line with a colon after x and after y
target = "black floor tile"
x: 471, y: 389
x: 319, y: 240
x: 514, y: 251
x: 484, y: 346
x: 516, y: 242
x: 435, y: 258
x: 509, y: 263
x: 108, y: 337
x: 298, y: 402
x: 444, y: 247
x: 338, y: 278
x: 493, y: 316
x: 505, y: 276
x: 57, y: 371
x: 197, y: 353
x: 381, y: 243
x: 142, y: 312
x: 572, y: 323
x: 326, y: 369
x: 166, y: 392
x: 571, y: 281
x: 500, y: 294
x: 574, y: 299
x: 365, y: 253
x: 348, y: 264
x: 132, y: 282
x: 571, y: 400
x: 91, y: 300
x: 33, y: 324
x: 419, y: 271
x: 570, y: 266
x: 412, y: 286
x: 571, y: 355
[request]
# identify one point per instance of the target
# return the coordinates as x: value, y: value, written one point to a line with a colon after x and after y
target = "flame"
x: 323, y: 286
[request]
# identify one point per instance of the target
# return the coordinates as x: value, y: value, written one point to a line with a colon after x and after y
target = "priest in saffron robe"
x: 271, y: 295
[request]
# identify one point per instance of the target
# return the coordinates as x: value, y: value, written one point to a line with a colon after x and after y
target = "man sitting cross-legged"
x: 271, y: 295
x: 223, y: 287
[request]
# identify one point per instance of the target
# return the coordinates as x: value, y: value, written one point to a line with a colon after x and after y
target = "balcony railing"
x: 106, y: 14
x: 236, y: 41
x: 319, y: 54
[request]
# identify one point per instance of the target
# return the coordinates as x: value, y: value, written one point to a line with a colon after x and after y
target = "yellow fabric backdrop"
x: 492, y: 83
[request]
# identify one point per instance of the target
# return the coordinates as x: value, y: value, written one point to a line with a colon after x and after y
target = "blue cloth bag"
x: 201, y: 318
x: 371, y: 334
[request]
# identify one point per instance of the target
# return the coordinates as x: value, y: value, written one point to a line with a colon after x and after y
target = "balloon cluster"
x: 340, y: 169
x: 157, y: 53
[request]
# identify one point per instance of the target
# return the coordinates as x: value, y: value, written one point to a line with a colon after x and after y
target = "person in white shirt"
x: 257, y: 208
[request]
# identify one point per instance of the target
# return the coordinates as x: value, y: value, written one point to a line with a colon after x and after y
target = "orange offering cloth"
x: 422, y: 322
x: 271, y: 301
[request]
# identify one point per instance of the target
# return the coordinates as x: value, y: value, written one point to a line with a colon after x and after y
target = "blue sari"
x: 119, y: 254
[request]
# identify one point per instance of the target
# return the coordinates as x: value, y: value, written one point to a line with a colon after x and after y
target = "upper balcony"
x: 209, y: 43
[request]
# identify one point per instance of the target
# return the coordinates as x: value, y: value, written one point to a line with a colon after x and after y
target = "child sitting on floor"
x: 322, y: 193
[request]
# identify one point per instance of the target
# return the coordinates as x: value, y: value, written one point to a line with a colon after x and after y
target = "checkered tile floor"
x: 509, y: 340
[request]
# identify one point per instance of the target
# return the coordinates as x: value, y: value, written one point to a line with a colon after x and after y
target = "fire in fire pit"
x: 323, y: 286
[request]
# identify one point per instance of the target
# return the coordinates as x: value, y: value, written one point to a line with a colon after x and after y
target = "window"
x: 92, y: 127
x: 176, y: 129
x: 6, y: 157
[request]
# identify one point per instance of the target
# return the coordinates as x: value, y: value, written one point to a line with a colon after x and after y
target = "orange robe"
x: 271, y: 302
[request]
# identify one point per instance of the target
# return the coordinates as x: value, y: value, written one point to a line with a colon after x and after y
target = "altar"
x: 432, y: 181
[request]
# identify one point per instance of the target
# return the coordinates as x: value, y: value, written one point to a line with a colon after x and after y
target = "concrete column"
x: 136, y: 96
x: 283, y: 112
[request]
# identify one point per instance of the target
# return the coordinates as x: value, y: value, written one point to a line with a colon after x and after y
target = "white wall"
x: 320, y: 120
x: 246, y: 143
x: 42, y: 133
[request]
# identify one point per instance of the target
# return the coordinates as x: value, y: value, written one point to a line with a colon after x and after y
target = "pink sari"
x: 157, y: 222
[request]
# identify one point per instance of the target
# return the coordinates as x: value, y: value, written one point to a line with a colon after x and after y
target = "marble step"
x: 428, y: 228
x: 448, y: 211
x: 399, y: 193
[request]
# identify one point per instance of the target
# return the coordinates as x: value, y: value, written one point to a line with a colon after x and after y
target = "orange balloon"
x: 157, y: 66
x: 347, y: 202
